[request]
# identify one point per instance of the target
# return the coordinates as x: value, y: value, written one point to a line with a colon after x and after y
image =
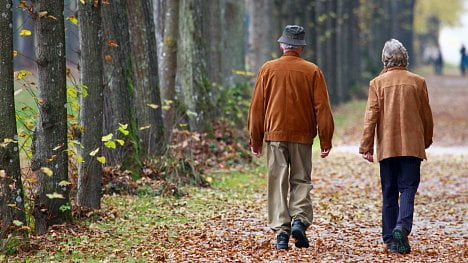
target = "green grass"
x: 126, y: 222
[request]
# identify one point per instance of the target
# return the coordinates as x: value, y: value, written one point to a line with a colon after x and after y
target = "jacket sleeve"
x: 370, y: 121
x: 323, y: 112
x: 257, y: 113
x: 426, y: 117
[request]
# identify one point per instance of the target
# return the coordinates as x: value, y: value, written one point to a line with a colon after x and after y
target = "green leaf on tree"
x: 101, y: 159
x: 108, y: 137
x: 110, y: 144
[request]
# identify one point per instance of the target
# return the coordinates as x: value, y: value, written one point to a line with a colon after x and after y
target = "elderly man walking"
x: 289, y: 105
x: 398, y: 106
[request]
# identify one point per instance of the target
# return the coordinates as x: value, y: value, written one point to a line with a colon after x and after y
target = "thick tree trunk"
x: 166, y: 22
x: 11, y: 188
x: 118, y: 86
x: 262, y: 40
x: 213, y: 33
x: 50, y: 149
x: 90, y: 171
x: 191, y: 70
x: 145, y: 69
x: 233, y: 39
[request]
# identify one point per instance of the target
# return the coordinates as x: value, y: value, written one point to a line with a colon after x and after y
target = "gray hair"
x: 394, y: 54
x: 289, y: 46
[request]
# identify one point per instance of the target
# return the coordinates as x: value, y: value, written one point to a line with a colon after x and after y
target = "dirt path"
x: 346, y: 228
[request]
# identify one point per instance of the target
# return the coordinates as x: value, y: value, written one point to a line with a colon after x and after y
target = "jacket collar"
x: 395, y: 68
x: 291, y: 53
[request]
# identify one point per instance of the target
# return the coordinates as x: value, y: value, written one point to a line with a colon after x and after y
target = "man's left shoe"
x: 392, y: 247
x: 298, y: 233
x: 400, y: 237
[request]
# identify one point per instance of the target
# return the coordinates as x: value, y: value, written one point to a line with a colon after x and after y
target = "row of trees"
x: 148, y: 66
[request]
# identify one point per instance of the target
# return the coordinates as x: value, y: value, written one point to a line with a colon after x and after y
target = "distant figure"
x: 289, y: 107
x: 398, y: 110
x: 463, y: 61
x: 438, y: 63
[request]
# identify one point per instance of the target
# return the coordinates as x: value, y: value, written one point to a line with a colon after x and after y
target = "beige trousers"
x: 289, y: 171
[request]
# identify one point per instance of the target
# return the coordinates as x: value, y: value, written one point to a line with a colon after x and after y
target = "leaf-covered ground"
x: 226, y: 223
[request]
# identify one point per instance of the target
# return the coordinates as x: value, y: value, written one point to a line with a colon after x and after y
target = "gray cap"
x: 293, y: 35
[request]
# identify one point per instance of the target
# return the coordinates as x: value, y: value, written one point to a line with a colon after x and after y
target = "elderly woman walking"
x: 398, y: 109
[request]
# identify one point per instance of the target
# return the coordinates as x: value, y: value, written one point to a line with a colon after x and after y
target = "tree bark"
x: 191, y: 70
x: 118, y: 86
x: 50, y: 149
x: 145, y: 70
x: 90, y: 171
x: 11, y: 188
x: 166, y: 21
x: 261, y: 41
x: 233, y: 42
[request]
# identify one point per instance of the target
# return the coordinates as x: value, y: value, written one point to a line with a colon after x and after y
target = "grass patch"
x: 129, y: 224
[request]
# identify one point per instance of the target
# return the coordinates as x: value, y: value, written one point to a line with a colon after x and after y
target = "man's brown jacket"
x: 398, y: 106
x: 290, y: 103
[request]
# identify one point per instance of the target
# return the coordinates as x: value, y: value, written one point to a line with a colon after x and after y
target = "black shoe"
x: 400, y: 238
x: 298, y: 232
x: 392, y: 247
x: 282, y: 241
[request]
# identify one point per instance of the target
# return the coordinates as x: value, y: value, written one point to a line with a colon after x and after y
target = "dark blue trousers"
x: 399, y: 177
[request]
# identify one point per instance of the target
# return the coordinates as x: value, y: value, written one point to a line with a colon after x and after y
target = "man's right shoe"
x: 400, y: 237
x: 282, y: 241
x: 298, y: 232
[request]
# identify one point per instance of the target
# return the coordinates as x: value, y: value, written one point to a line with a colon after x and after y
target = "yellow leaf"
x: 101, y: 159
x: 25, y: 33
x: 73, y: 19
x: 192, y: 113
x: 123, y: 126
x: 110, y: 144
x: 11, y: 205
x: 58, y: 147
x: 93, y: 153
x: 22, y: 73
x: 166, y: 107
x: 209, y: 179
x: 168, y: 102
x: 79, y: 159
x: 145, y: 127
x: 108, y: 137
x: 42, y: 13
x: 183, y: 124
x: 153, y: 106
x: 55, y: 195
x: 47, y: 171
x: 82, y: 2
x: 64, y: 183
x: 15, y: 53
x: 121, y: 142
x: 17, y: 223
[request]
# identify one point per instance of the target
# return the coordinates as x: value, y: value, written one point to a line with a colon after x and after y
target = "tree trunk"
x: 166, y: 22
x: 90, y: 171
x: 191, y: 70
x: 50, y: 149
x: 145, y: 70
x: 233, y: 39
x: 11, y: 188
x: 118, y: 86
x: 261, y: 41
x: 403, y: 11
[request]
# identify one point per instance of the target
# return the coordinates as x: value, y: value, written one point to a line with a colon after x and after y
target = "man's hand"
x: 256, y: 151
x: 368, y: 156
x: 324, y: 153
